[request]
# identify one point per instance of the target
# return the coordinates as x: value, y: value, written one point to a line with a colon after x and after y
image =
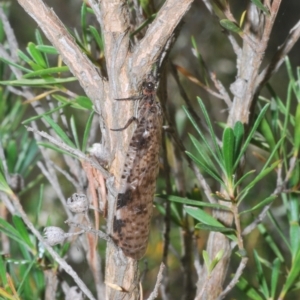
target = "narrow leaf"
x: 74, y: 132
x: 61, y: 133
x: 205, y: 168
x: 87, y: 131
x: 211, y: 130
x: 47, y: 71
x: 38, y: 82
x: 250, y: 135
x: 46, y: 113
x: 248, y: 290
x: 261, y: 6
x: 228, y: 151
x: 36, y: 55
x: 267, y: 133
x: 47, y: 49
x: 238, y: 131
x: 207, y: 219
x: 292, y: 276
x: 261, y: 204
x: 15, y: 65
x: 230, y: 26
x: 297, y: 129
x: 214, y: 228
x: 191, y: 202
x: 261, y: 276
x: 23, y: 233
x: 275, y: 276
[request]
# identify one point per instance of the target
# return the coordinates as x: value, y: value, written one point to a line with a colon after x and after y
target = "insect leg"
x: 132, y: 119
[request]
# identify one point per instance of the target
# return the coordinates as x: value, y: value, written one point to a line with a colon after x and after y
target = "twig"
x: 159, y: 279
x: 98, y: 233
x: 67, y: 176
x: 10, y: 36
x: 71, y: 150
x: 68, y: 269
x: 235, y: 279
x: 279, y: 56
x: 220, y: 87
x: 280, y: 185
x: 56, y: 187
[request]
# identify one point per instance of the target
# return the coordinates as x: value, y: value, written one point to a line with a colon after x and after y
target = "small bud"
x: 100, y: 153
x: 16, y: 182
x: 78, y: 203
x: 54, y: 235
x: 74, y: 293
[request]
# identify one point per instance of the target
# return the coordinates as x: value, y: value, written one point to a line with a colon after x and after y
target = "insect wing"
x: 135, y: 200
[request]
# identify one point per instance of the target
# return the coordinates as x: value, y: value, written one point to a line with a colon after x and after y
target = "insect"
x: 131, y: 223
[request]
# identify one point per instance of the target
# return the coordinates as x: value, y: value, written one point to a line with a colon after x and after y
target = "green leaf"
x: 292, y: 276
x: 3, y: 277
x: 270, y: 241
x: 243, y: 178
x: 280, y: 232
x: 47, y: 71
x: 55, y: 148
x: 46, y: 113
x: 208, y: 147
x: 214, y: 228
x: 83, y: 23
x: 24, y: 57
x: 230, y: 26
x: 261, y: 175
x: 190, y: 202
x: 61, y: 133
x: 267, y: 133
x: 143, y: 25
x: 238, y: 131
x: 261, y: 204
x: 294, y: 224
x: 250, y: 135
x: 97, y: 37
x: 260, y: 276
x: 206, y: 259
x: 47, y: 49
x: 38, y: 82
x: 39, y: 40
x: 36, y: 55
x: 84, y: 102
x: 80, y: 102
x: 11, y: 232
x: 175, y: 216
x: 297, y: 130
x: 4, y: 187
x: 14, y: 65
x: 228, y: 151
x: 275, y: 276
x: 216, y: 260
x: 205, y: 159
x: 23, y: 233
x: 261, y: 6
x: 248, y: 290
x: 211, y: 131
x: 207, y: 219
x: 25, y: 275
x: 74, y: 132
x: 87, y: 131
x: 39, y: 206
x: 205, y: 168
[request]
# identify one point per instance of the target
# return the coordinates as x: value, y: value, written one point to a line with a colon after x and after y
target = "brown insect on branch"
x: 127, y: 67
